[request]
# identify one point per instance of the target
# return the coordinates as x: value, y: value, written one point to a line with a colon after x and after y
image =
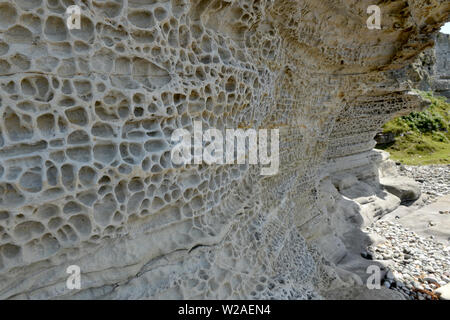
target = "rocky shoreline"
x: 418, y: 265
x: 434, y: 180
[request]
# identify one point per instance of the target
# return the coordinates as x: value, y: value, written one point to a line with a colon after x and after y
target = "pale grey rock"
x: 418, y: 220
x: 404, y: 188
x: 422, y: 263
x: 362, y: 293
x: 441, y: 69
x: 444, y: 292
x: 434, y: 180
x: 85, y: 139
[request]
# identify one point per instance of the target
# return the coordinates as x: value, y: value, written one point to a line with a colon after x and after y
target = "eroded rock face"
x: 86, y: 176
x: 441, y: 74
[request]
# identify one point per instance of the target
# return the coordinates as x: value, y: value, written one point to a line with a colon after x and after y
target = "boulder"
x: 444, y: 292
x: 384, y: 138
x: 403, y: 187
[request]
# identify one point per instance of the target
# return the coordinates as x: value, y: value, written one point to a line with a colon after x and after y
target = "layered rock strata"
x: 86, y: 176
x: 441, y: 72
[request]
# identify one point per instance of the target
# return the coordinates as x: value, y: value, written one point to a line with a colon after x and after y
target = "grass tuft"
x: 421, y: 137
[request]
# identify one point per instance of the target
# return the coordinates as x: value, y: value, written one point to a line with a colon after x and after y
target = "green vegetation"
x: 421, y: 137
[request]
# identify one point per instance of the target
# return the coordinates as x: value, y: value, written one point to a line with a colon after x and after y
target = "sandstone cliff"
x: 441, y: 72
x: 85, y: 171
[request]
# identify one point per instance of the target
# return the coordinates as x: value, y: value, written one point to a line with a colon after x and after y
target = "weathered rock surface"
x: 362, y: 293
x: 404, y: 188
x: 87, y: 116
x: 430, y: 220
x: 440, y: 82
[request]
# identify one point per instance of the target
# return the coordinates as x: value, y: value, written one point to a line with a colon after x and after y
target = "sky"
x: 446, y: 28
